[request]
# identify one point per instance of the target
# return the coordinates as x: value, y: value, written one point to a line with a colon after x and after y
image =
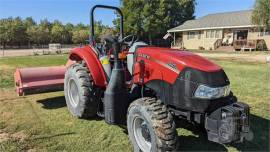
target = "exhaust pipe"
x: 39, y: 80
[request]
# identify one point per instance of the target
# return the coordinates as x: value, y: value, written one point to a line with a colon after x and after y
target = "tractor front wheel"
x: 80, y: 93
x: 151, y: 126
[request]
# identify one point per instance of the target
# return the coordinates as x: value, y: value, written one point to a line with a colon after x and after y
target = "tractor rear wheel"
x: 80, y: 93
x: 151, y: 126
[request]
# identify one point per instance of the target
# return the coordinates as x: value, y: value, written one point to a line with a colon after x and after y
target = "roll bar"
x: 92, y: 34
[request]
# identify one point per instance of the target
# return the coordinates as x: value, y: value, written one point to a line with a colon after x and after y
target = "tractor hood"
x: 181, y: 59
x: 187, y: 59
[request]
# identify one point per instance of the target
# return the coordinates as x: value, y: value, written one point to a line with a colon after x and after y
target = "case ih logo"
x: 144, y: 56
x: 172, y: 66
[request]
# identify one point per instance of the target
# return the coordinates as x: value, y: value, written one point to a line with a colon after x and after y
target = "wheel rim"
x: 73, y: 93
x: 142, y: 134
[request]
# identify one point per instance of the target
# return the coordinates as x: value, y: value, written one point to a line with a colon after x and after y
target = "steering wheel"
x: 129, y: 40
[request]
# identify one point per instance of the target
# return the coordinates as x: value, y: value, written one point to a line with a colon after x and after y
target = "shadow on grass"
x: 258, y: 140
x: 53, y: 103
x: 59, y: 102
x: 199, y: 142
x: 260, y: 137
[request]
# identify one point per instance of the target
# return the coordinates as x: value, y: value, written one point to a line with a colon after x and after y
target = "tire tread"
x: 89, y: 90
x: 163, y: 123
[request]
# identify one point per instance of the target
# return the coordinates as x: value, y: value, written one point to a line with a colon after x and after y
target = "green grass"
x: 32, y: 61
x: 9, y: 64
x: 13, y: 145
x: 48, y: 126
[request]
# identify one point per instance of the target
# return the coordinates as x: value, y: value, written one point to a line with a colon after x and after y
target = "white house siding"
x: 202, y: 41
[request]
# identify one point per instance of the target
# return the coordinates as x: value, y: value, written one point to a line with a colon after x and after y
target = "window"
x: 191, y: 35
x: 194, y: 34
x: 213, y: 33
x: 218, y: 33
x: 208, y: 34
x: 264, y: 32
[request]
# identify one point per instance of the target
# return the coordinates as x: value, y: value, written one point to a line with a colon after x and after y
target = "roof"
x: 217, y: 21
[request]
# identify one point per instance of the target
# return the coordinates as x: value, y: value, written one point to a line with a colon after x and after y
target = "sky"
x: 77, y: 11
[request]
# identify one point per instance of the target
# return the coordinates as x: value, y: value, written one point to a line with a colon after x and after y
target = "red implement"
x: 39, y: 80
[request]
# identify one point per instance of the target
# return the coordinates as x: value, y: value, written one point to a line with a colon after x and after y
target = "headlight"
x: 206, y: 92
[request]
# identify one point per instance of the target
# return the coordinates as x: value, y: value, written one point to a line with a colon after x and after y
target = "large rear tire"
x: 80, y: 93
x: 151, y: 126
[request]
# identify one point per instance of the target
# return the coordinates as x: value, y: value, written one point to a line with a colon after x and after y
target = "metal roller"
x: 39, y: 80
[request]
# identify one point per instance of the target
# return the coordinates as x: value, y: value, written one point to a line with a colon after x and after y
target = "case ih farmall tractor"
x: 145, y: 87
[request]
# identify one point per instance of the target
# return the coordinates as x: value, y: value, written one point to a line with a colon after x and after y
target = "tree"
x: 45, y: 24
x: 81, y: 32
x: 29, y: 22
x: 45, y: 27
x: 80, y: 35
x: 107, y: 31
x: 13, y: 32
x: 261, y: 13
x: 98, y: 27
x: 38, y: 34
x: 80, y: 26
x: 69, y: 28
x: 19, y: 32
x: 5, y: 31
x: 58, y: 33
x: 152, y: 18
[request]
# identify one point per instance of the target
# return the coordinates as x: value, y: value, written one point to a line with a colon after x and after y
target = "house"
x: 221, y: 31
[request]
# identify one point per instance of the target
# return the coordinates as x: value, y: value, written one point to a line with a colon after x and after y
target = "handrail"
x: 238, y: 44
x: 217, y: 43
x: 178, y: 43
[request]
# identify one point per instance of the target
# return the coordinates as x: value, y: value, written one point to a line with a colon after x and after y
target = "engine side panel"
x: 153, y: 69
x: 88, y: 54
x: 170, y: 62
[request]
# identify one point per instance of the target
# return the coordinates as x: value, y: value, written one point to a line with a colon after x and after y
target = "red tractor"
x: 145, y: 87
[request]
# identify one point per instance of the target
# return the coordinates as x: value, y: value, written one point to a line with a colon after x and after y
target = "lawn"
x: 43, y: 123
